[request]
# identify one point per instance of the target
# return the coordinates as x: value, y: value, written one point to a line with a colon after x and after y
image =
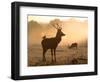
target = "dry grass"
x: 64, y: 56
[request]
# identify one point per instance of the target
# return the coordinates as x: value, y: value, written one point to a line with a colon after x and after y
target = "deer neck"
x: 58, y: 39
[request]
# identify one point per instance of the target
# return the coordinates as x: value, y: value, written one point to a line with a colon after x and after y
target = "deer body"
x: 52, y: 43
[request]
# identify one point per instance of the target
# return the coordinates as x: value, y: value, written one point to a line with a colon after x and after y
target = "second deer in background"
x: 73, y: 45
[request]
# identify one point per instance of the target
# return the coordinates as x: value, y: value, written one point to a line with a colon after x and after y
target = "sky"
x: 75, y: 28
x: 47, y: 19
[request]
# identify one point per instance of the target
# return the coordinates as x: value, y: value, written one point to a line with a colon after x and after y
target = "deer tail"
x: 44, y: 37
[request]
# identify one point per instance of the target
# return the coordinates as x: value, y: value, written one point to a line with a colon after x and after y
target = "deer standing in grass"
x: 52, y: 43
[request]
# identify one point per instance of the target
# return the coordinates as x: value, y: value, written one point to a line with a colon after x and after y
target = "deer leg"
x: 76, y: 47
x: 52, y: 55
x: 44, y: 51
x: 55, y: 55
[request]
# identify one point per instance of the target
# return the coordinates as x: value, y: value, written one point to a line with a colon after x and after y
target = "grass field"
x: 64, y: 56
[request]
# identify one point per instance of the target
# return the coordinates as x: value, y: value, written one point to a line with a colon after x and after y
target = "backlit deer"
x: 52, y: 43
x: 73, y: 45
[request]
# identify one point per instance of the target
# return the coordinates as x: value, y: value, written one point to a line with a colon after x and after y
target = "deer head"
x: 59, y: 30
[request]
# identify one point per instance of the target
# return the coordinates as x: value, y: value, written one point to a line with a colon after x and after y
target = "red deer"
x: 52, y: 43
x: 73, y: 45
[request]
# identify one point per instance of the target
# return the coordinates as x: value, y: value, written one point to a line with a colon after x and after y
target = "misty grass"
x: 64, y: 55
